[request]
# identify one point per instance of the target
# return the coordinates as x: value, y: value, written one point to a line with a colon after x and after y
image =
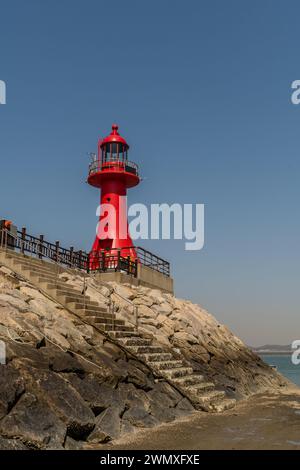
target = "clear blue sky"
x: 201, y: 90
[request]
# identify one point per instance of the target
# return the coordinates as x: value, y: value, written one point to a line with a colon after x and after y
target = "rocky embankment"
x: 66, y: 385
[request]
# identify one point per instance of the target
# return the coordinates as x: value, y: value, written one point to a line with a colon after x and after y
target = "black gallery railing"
x: 103, y: 261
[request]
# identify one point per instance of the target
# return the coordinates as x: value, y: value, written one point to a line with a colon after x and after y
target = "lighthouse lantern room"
x: 112, y: 172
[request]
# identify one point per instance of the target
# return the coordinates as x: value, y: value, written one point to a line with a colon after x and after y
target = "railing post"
x: 88, y: 264
x: 113, y: 315
x: 56, y: 250
x: 23, y: 236
x: 71, y: 255
x: 80, y: 258
x: 57, y: 261
x: 41, y: 246
x: 118, y: 267
x: 128, y: 264
x: 4, y: 238
x: 136, y: 312
x: 136, y: 268
x: 84, y: 289
x: 103, y: 262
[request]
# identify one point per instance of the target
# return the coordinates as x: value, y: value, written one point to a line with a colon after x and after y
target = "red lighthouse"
x: 113, y: 173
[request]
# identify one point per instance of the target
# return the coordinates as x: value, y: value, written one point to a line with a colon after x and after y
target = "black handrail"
x: 101, y: 261
x: 41, y: 248
x: 105, y: 261
x: 115, y: 165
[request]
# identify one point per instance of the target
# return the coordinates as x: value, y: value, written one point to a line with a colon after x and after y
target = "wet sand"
x: 262, y: 422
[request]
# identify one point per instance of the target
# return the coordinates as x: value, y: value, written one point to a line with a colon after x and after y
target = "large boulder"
x: 139, y: 417
x: 34, y: 423
x: 11, y: 444
x: 11, y: 387
x: 96, y: 394
x: 60, y: 396
x: 107, y: 426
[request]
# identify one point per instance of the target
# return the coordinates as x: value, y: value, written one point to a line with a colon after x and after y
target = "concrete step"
x: 45, y: 265
x: 223, y: 405
x: 144, y: 349
x: 17, y: 255
x: 162, y: 365
x: 188, y: 380
x: 78, y: 301
x: 206, y: 400
x: 41, y: 264
x: 108, y: 321
x: 63, y: 286
x: 73, y: 294
x: 200, y: 388
x: 74, y: 299
x: 28, y: 268
x: 31, y: 267
x: 137, y: 342
x: 31, y: 260
x: 155, y: 357
x: 40, y: 276
x: 178, y: 372
x: 123, y: 334
x: 101, y: 316
x: 47, y: 278
x: 112, y: 327
x: 93, y: 311
x: 36, y: 266
x: 46, y: 274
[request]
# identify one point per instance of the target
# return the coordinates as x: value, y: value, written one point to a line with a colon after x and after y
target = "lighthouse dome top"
x: 114, y: 137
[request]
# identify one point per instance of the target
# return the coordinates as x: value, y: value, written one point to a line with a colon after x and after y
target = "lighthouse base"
x: 146, y: 277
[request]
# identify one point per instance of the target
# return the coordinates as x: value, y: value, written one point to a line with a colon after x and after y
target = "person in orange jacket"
x: 7, y: 224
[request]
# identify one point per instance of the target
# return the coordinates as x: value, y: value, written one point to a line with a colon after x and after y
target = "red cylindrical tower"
x: 111, y: 171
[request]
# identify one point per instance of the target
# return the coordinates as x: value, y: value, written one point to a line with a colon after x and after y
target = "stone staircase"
x: 44, y: 275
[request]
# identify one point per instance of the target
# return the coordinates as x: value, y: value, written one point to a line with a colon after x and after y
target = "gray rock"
x: 114, y: 351
x: 127, y: 428
x: 135, y: 375
x: 183, y: 337
x: 185, y: 405
x: 11, y: 387
x: 108, y: 426
x: 71, y: 444
x: 63, y: 362
x: 163, y: 399
x: 130, y: 396
x: 15, y: 300
x: 163, y: 309
x: 105, y: 367
x: 11, y: 444
x: 64, y: 400
x: 33, y: 422
x: 145, y: 312
x: 138, y: 417
x: 161, y: 413
x: 166, y: 388
x: 142, y: 301
x: 98, y: 395
x: 56, y: 338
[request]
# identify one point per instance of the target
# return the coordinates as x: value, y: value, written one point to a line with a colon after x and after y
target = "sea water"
x: 284, y: 366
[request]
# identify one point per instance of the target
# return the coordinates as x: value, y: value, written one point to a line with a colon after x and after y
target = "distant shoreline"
x: 273, y: 353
